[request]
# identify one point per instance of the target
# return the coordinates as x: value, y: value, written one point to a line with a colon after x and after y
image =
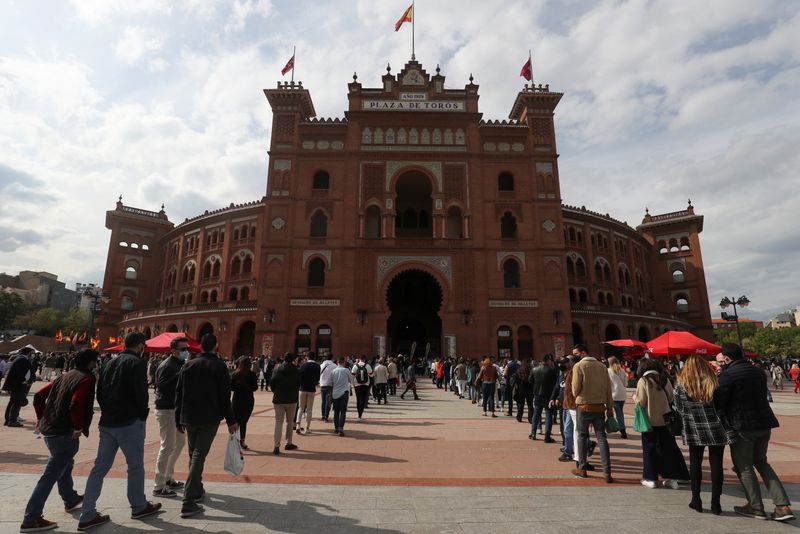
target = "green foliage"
x: 11, y: 306
x: 767, y: 342
x: 46, y: 321
x: 75, y: 320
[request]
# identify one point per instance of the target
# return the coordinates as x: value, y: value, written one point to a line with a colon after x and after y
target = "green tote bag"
x: 641, y: 423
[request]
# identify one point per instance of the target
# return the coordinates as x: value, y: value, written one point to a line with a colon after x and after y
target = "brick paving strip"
x: 433, y: 465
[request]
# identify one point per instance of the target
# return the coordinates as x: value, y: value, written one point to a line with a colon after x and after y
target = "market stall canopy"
x: 676, y: 343
x: 161, y: 343
x: 626, y: 343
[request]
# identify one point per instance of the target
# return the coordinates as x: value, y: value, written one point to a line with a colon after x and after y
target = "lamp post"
x: 94, y: 308
x: 742, y: 302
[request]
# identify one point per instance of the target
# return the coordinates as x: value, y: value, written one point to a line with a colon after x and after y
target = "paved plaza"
x: 433, y: 465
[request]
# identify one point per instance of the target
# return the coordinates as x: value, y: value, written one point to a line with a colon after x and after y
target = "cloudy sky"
x: 161, y: 101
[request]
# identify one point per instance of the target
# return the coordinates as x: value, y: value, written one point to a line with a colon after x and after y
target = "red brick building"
x: 411, y: 219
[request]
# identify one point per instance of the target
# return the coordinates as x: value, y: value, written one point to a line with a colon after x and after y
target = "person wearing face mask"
x: 123, y: 398
x: 172, y: 441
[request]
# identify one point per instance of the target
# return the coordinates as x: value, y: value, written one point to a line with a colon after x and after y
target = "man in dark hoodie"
x: 285, y: 387
x: 64, y: 410
x: 122, y: 395
x: 202, y: 400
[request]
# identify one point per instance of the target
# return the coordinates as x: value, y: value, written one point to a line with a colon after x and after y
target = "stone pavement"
x: 434, y: 465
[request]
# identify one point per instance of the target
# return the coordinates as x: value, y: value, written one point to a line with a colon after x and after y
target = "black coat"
x: 122, y: 390
x: 544, y: 378
x: 742, y: 397
x: 202, y: 396
x: 166, y: 381
x: 15, y: 373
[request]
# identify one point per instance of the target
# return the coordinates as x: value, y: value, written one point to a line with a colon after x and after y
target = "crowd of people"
x: 711, y: 405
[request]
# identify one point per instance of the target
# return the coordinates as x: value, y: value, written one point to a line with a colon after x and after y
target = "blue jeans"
x: 540, y: 403
x: 619, y: 412
x: 340, y: 411
x: 327, y: 400
x: 487, y: 391
x: 569, y: 437
x: 58, y: 470
x: 130, y: 439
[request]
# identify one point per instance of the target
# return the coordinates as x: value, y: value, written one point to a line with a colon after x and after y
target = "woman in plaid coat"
x: 702, y: 427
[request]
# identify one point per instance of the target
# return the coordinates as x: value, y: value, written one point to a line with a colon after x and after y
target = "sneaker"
x: 341, y: 433
x: 649, y: 484
x: 549, y: 440
x: 671, y: 483
x: 37, y: 525
x: 174, y: 484
x: 150, y: 509
x: 782, y: 513
x: 608, y: 478
x: 276, y: 451
x: 15, y: 424
x: 164, y: 493
x: 191, y: 509
x: 290, y: 447
x: 749, y: 511
x: 565, y: 458
x: 308, y: 431
x: 74, y: 506
x: 97, y: 521
x: 579, y: 473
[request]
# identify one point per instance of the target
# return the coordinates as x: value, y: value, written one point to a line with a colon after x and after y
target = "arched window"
x: 236, y: 265
x: 678, y: 276
x: 204, y: 297
x: 147, y: 247
x: 123, y: 243
x: 321, y: 180
x: 316, y: 273
x: 215, y: 269
x: 570, y: 267
x: 182, y: 300
x: 598, y: 271
x: 244, y: 294
x: 606, y: 273
x: 673, y: 245
x: 235, y: 234
x: 571, y: 233
x: 372, y: 223
x: 127, y: 302
x: 505, y: 181
x: 410, y: 218
x: 573, y: 298
x: 511, y: 274
x: 508, y: 226
x: 247, y: 264
x: 455, y: 224
x: 188, y: 298
x: 609, y: 299
x: 580, y: 268
x: 319, y: 224
x: 130, y: 273
x: 662, y: 247
x: 252, y: 232
x: 207, y: 269
x: 583, y: 296
x: 685, y: 243
x: 601, y: 298
x: 212, y: 297
x: 134, y: 245
x: 682, y: 304
x: 234, y: 294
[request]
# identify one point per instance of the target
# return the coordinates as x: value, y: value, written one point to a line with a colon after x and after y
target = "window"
x: 236, y: 265
x: 244, y: 294
x: 454, y: 226
x: 234, y: 294
x: 247, y: 265
x: 204, y: 297
x: 372, y: 223
x: 319, y: 224
x: 678, y: 276
x: 127, y: 302
x: 147, y: 247
x: 207, y: 270
x: 215, y: 269
x: 572, y: 296
x: 685, y: 244
x: 212, y: 297
x: 505, y: 181
x: 316, y: 273
x: 580, y: 268
x: 123, y: 243
x: 570, y: 267
x: 130, y: 273
x: 235, y: 234
x: 682, y: 304
x: 321, y: 180
x: 252, y: 232
x: 508, y: 226
x: 511, y: 274
x: 583, y: 296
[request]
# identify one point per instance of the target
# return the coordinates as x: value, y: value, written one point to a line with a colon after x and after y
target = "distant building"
x: 722, y: 324
x: 786, y: 319
x: 39, y: 288
x: 84, y: 294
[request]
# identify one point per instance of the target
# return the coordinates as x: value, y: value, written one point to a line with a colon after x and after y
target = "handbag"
x: 611, y: 425
x: 673, y: 422
x: 641, y: 423
x: 234, y: 460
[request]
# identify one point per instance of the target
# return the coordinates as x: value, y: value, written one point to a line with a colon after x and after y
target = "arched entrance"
x: 414, y: 298
x: 414, y: 205
x: 612, y: 332
x: 246, y: 339
x: 207, y: 328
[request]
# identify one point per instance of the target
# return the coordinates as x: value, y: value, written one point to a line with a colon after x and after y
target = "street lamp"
x: 742, y: 302
x: 94, y: 308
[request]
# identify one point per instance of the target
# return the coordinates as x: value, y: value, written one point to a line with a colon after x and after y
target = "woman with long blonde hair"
x: 619, y: 392
x: 702, y: 427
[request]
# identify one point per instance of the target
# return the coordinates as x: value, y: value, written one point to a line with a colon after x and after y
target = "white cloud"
x: 95, y: 12
x: 241, y: 10
x: 137, y: 43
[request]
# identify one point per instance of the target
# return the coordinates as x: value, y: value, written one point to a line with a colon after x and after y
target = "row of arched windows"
x: 214, y: 238
x: 125, y: 244
x: 673, y: 245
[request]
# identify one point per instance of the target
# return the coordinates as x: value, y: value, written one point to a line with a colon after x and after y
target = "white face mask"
x: 183, y: 355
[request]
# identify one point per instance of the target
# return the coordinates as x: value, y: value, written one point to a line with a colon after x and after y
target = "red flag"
x: 289, y: 66
x: 408, y: 16
x: 527, y: 70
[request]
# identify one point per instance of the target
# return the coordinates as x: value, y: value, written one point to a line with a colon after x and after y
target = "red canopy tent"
x: 161, y: 343
x: 675, y: 343
x: 631, y: 348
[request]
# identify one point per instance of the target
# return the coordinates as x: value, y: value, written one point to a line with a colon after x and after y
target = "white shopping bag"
x: 234, y: 459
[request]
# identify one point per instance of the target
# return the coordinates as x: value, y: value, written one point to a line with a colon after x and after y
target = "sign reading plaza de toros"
x: 412, y: 102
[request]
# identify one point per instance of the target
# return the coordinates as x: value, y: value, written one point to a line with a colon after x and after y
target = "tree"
x: 75, y: 320
x: 46, y: 322
x: 11, y: 305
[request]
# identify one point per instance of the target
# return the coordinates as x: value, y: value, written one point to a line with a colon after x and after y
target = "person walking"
x: 64, y: 410
x: 460, y: 371
x: 543, y: 379
x: 743, y: 403
x: 326, y: 386
x: 341, y: 380
x: 411, y: 380
x: 123, y: 398
x: 244, y: 382
x: 19, y: 376
x: 309, y: 378
x: 794, y: 375
x: 510, y: 370
x: 569, y: 451
x: 381, y: 376
x: 202, y: 400
x: 285, y: 387
x: 172, y: 441
x: 394, y: 376
x: 619, y: 392
x: 660, y: 453
x: 362, y: 373
x: 702, y: 427
x: 592, y: 389
x: 488, y: 379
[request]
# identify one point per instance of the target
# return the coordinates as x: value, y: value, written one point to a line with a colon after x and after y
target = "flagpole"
x: 413, y: 22
x: 294, y: 62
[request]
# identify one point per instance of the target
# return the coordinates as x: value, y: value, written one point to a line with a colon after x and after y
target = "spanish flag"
x: 289, y: 66
x: 408, y: 16
x: 527, y: 70
x: 59, y: 336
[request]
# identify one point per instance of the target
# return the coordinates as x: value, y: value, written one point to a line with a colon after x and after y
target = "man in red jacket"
x: 64, y: 412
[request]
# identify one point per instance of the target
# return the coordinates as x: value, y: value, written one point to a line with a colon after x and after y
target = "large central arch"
x: 414, y: 298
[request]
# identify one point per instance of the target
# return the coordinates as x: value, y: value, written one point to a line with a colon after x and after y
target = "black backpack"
x: 362, y: 377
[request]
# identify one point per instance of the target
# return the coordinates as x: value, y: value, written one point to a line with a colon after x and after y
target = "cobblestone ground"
x: 433, y: 465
